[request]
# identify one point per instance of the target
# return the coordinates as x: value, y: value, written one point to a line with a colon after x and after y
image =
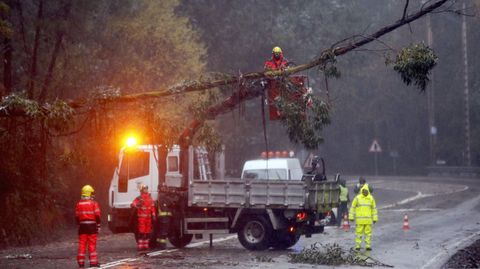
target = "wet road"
x: 443, y: 216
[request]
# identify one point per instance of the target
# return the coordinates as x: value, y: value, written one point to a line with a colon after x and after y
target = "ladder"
x: 203, y: 163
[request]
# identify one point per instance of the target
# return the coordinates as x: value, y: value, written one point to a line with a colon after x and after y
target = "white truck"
x: 264, y: 213
x: 273, y: 169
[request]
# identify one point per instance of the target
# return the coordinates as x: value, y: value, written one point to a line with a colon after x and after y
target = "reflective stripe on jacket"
x: 144, y: 205
x: 364, y: 208
x: 87, y: 211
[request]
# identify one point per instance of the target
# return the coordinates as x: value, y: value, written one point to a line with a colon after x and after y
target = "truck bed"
x: 257, y: 193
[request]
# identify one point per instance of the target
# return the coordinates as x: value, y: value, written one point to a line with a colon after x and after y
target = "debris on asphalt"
x: 19, y: 256
x: 333, y: 254
x: 468, y: 257
x: 263, y: 259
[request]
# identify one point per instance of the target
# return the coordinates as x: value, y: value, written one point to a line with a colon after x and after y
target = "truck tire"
x: 180, y: 241
x: 283, y: 240
x: 255, y: 233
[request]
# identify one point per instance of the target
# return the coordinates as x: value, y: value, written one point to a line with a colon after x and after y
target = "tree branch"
x: 405, y: 9
x: 325, y: 57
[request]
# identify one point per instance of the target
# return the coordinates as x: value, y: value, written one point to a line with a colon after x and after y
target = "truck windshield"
x: 262, y: 174
x: 134, y: 164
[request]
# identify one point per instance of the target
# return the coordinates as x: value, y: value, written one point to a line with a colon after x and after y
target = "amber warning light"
x: 131, y: 141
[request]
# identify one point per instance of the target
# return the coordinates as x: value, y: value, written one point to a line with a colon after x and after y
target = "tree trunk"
x: 36, y: 44
x: 7, y: 66
x: 56, y: 50
x: 51, y: 66
x: 22, y: 26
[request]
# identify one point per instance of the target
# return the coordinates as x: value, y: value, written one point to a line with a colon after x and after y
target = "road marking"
x: 421, y: 195
x: 156, y: 253
x: 440, y: 254
x: 412, y: 209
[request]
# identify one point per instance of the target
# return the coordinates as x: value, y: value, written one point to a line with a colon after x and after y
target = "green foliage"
x: 208, y: 136
x: 330, y: 69
x: 18, y: 101
x: 156, y: 47
x: 57, y: 116
x: 414, y: 64
x: 303, y: 123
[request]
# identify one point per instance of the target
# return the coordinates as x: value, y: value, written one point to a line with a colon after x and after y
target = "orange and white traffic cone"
x: 405, y: 227
x: 346, y: 225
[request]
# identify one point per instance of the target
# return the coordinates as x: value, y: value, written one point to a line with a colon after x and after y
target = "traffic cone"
x: 345, y: 225
x: 405, y: 227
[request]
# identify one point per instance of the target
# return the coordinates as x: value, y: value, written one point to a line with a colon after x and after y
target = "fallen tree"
x: 327, y: 56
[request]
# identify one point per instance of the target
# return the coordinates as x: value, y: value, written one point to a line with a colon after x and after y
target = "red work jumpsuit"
x: 274, y: 64
x: 145, y: 212
x: 87, y: 214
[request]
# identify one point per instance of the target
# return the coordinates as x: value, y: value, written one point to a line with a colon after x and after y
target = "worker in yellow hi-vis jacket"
x: 364, y: 212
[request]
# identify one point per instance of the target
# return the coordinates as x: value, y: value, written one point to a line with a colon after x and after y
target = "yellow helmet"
x: 87, y: 191
x: 277, y: 50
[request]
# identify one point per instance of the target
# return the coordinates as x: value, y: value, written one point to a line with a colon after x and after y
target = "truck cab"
x: 137, y: 166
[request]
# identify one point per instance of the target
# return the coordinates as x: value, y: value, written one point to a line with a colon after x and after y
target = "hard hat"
x: 277, y: 50
x: 87, y: 191
x: 144, y: 188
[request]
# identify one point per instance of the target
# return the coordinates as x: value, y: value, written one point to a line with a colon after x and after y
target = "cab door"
x: 135, y: 170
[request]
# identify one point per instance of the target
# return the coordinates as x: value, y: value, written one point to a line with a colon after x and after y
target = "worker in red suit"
x: 277, y: 62
x: 87, y: 214
x: 146, y: 215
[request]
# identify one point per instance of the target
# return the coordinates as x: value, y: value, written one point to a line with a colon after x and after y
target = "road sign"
x: 375, y: 147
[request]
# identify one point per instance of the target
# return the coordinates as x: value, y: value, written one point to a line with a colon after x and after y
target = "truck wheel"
x: 180, y: 241
x: 255, y: 233
x: 284, y: 240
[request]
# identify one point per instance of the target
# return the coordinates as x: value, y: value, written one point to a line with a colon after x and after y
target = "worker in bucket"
x: 146, y: 215
x: 277, y: 62
x: 87, y: 215
x: 364, y: 212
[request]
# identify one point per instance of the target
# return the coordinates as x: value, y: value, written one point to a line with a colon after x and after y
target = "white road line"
x: 156, y: 253
x: 440, y: 254
x: 412, y: 209
x: 421, y: 195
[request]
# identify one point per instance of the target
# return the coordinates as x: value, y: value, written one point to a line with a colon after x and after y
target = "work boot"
x: 357, y: 248
x: 81, y: 266
x: 368, y: 249
x: 95, y: 265
x: 162, y: 243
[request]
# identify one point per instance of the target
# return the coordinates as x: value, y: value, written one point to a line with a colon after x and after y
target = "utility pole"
x: 431, y: 101
x: 467, y: 159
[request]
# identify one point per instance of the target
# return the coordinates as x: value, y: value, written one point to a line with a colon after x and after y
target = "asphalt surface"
x: 443, y: 217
